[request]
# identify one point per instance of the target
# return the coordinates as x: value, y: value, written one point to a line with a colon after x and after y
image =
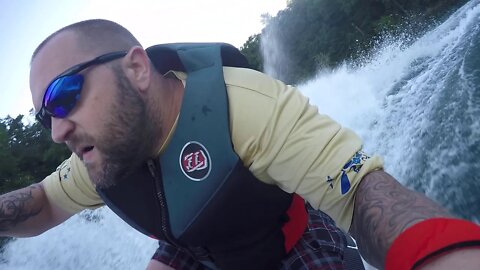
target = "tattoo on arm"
x: 16, y: 207
x: 384, y: 209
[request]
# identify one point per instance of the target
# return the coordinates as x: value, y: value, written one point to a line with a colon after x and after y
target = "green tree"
x: 7, y: 161
x: 27, y: 153
x: 318, y: 34
x: 251, y: 50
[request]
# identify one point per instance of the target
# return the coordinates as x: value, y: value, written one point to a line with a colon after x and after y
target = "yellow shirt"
x: 278, y: 135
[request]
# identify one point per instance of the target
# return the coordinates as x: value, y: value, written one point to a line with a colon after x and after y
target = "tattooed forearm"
x: 384, y: 209
x: 16, y: 207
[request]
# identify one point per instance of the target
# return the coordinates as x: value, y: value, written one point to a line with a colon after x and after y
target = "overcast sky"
x: 24, y: 24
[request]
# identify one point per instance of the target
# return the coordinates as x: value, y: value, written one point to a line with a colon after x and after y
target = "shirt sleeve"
x: 70, y: 188
x: 285, y: 141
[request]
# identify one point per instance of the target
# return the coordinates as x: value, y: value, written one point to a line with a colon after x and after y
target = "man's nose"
x: 61, y: 129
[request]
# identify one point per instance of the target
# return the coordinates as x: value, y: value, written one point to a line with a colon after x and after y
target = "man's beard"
x: 129, y: 137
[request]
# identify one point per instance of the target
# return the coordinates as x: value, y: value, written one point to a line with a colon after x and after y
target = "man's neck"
x: 169, y: 104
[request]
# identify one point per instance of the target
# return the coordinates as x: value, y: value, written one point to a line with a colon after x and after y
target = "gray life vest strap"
x: 203, y: 124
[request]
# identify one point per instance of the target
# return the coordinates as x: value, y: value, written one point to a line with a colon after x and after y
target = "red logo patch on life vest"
x: 195, y: 161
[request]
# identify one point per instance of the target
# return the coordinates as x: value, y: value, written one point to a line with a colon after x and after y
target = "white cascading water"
x: 416, y: 105
x: 391, y: 101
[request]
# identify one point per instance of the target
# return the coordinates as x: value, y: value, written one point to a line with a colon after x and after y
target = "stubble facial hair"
x: 130, y: 135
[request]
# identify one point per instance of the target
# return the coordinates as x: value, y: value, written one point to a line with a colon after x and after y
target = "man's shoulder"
x: 252, y: 80
x: 70, y: 187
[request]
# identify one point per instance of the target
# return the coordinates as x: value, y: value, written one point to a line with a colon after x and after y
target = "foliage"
x: 251, y: 49
x: 317, y: 34
x: 27, y: 153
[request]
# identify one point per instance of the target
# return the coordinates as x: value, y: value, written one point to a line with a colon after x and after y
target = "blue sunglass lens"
x: 62, y: 95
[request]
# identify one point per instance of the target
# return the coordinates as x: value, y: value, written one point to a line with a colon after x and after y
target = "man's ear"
x: 137, y: 68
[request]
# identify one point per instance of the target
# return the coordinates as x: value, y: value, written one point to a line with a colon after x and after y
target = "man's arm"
x: 384, y: 209
x: 28, y: 212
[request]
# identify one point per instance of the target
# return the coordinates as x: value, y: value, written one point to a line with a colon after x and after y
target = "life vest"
x: 198, y: 195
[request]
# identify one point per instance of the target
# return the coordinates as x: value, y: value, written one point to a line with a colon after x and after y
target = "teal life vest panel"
x: 198, y: 195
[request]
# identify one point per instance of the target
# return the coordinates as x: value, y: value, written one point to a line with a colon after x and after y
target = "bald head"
x: 96, y: 37
x: 74, y: 44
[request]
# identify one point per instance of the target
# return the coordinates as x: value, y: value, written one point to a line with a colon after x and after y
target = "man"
x: 123, y: 116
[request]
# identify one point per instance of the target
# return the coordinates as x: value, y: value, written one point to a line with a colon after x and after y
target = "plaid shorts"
x: 321, y: 247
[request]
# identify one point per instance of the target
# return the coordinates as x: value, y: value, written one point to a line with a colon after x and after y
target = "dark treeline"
x: 316, y: 34
x: 27, y: 154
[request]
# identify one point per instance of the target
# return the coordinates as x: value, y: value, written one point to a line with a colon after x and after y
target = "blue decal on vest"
x: 355, y: 164
x: 345, y: 183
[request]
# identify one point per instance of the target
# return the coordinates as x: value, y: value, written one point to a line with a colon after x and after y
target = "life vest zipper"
x: 161, y: 200
x: 163, y: 208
